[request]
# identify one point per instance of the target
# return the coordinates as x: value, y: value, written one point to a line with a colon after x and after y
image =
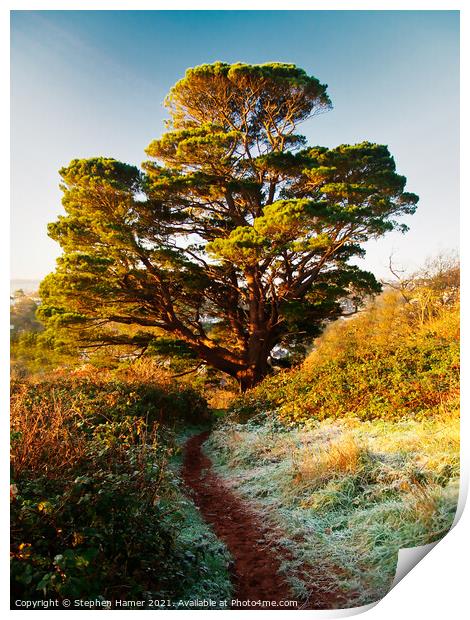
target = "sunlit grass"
x: 349, y: 493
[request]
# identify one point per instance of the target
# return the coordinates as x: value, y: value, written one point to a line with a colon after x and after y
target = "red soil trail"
x: 256, y: 564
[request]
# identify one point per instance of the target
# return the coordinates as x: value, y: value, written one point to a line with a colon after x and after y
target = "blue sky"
x: 87, y: 83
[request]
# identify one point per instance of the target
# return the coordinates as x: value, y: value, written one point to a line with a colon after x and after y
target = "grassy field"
x: 345, y: 495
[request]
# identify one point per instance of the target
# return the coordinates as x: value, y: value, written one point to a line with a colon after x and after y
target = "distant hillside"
x: 28, y: 286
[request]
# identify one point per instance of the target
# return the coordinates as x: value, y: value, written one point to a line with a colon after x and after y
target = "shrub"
x: 96, y: 510
x: 397, y: 359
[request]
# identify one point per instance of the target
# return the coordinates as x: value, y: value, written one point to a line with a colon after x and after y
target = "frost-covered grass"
x: 208, y: 552
x: 210, y: 555
x: 347, y: 494
x: 355, y: 453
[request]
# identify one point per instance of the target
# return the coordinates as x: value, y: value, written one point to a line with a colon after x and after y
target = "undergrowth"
x: 97, y: 510
x: 399, y: 358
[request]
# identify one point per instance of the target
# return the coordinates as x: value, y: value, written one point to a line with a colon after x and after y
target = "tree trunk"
x: 251, y: 376
x: 251, y: 366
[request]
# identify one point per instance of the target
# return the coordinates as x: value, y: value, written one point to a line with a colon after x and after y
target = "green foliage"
x: 170, y: 347
x: 102, y: 399
x: 399, y: 358
x: 41, y: 351
x: 97, y: 511
x: 108, y: 533
x: 30, y: 347
x: 23, y: 314
x: 236, y: 236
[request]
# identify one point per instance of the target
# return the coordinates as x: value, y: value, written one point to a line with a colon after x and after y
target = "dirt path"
x: 256, y: 570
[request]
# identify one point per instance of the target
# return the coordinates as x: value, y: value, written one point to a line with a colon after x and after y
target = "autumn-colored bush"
x: 399, y: 358
x: 96, y: 508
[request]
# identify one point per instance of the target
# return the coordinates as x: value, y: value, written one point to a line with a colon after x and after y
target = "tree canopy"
x: 235, y: 236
